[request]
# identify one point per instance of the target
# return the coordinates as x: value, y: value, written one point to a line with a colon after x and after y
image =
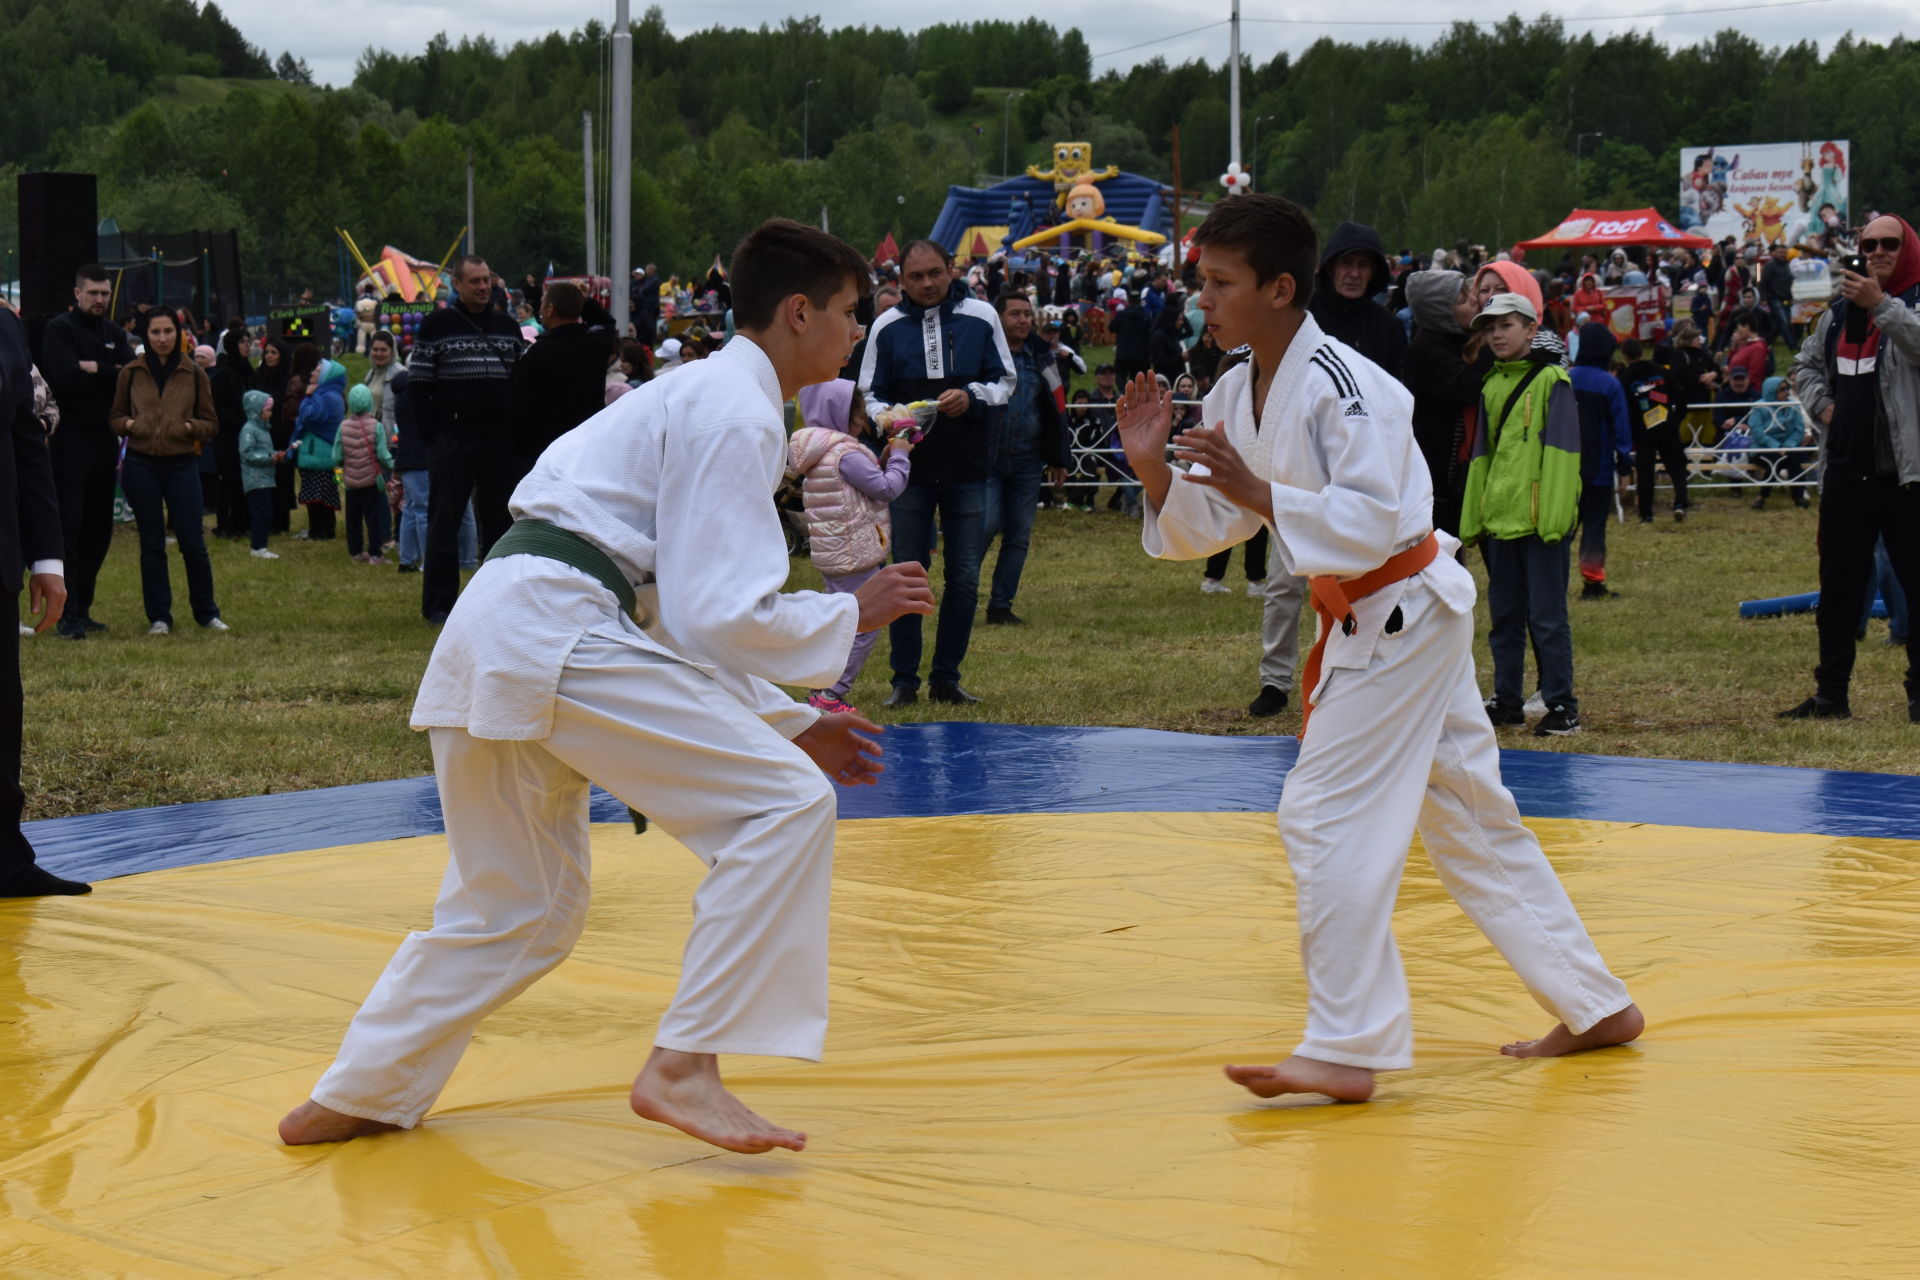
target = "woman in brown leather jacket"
x: 163, y: 405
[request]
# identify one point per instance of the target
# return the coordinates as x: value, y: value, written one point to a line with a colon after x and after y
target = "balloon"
x: 1236, y: 180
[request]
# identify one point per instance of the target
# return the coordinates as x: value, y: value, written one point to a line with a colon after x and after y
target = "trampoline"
x: 1046, y: 942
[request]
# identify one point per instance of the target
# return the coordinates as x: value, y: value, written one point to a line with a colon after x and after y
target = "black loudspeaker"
x: 59, y: 218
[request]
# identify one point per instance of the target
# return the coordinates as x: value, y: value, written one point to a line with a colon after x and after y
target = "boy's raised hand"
x: 850, y: 759
x: 897, y: 590
x: 1144, y: 419
x: 1226, y: 471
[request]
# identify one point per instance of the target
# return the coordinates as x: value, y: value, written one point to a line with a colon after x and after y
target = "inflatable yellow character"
x: 1072, y: 167
x: 1085, y: 201
x: 1086, y: 209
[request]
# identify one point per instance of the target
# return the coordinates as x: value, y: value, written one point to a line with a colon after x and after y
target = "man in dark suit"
x: 29, y: 535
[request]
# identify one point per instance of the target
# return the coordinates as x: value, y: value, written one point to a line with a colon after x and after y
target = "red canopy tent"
x: 887, y: 251
x: 1615, y: 229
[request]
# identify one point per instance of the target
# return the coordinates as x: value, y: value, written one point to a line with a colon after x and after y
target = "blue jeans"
x: 1885, y: 584
x: 1013, y: 494
x: 413, y: 522
x: 149, y: 483
x: 1527, y: 598
x: 961, y: 507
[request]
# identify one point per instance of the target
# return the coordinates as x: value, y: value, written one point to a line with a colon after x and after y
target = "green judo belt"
x: 538, y: 538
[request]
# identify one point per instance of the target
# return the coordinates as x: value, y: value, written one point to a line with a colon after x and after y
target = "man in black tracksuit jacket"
x: 459, y: 379
x: 81, y: 355
x: 562, y: 379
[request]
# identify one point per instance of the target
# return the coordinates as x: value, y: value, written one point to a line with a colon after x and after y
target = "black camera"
x: 1855, y: 263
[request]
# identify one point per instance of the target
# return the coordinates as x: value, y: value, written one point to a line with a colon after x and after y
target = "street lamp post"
x: 1006, y: 125
x: 806, y: 121
x: 1253, y: 155
x: 1579, y: 139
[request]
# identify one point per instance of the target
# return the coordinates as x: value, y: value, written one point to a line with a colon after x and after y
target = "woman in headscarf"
x: 231, y: 377
x: 163, y: 405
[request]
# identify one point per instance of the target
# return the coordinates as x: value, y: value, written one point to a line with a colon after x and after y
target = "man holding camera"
x: 1859, y: 374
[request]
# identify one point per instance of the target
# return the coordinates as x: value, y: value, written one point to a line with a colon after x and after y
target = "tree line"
x: 1472, y: 135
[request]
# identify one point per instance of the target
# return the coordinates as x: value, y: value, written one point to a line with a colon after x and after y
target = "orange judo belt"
x: 1333, y: 599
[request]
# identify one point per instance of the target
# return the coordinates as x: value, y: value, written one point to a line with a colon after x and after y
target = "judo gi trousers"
x: 672, y: 743
x: 1400, y: 746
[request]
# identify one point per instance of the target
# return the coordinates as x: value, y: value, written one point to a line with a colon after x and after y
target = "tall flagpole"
x: 620, y: 167
x: 586, y: 152
x: 1233, y: 85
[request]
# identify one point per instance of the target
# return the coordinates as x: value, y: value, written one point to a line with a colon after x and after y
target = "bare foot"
x: 1305, y: 1075
x: 684, y: 1090
x: 1616, y: 1028
x: 310, y: 1122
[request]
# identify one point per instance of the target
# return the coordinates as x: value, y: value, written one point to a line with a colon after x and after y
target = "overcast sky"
x: 331, y: 46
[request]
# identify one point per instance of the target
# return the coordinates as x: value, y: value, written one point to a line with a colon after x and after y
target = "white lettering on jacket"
x: 930, y: 338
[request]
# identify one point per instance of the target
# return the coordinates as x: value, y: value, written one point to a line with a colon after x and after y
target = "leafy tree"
x: 293, y: 70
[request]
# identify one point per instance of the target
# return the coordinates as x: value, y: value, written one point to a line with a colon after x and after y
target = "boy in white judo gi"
x: 626, y: 630
x: 1314, y: 441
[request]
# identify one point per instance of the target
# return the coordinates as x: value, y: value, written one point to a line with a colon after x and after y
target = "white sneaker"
x: 25, y: 630
x: 261, y: 553
x: 159, y: 629
x: 1257, y: 588
x: 1536, y: 706
x: 218, y: 625
x: 1213, y: 586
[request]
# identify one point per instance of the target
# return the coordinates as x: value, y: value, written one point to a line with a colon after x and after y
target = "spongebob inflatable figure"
x: 1072, y: 167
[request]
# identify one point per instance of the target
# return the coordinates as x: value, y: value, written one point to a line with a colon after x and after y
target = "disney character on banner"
x: 1805, y: 186
x: 1766, y: 217
x: 1833, y: 179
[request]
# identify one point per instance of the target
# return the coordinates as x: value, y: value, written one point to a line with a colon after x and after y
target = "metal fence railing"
x: 1712, y: 462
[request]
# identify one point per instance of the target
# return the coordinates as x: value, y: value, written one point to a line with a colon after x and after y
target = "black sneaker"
x: 1818, y: 708
x: 1271, y: 702
x: 950, y: 693
x: 1005, y: 618
x: 903, y: 695
x: 1597, y: 591
x: 91, y: 625
x: 1679, y: 515
x: 1759, y: 504
x: 1559, y: 721
x: 1801, y: 500
x: 70, y: 629
x: 1503, y: 714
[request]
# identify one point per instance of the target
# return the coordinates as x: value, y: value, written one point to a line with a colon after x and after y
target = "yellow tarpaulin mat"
x: 1023, y: 1074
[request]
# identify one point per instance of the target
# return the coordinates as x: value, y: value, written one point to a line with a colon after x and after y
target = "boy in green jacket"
x: 1523, y: 489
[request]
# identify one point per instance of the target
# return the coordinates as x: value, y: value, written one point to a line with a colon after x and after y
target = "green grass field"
x: 312, y: 686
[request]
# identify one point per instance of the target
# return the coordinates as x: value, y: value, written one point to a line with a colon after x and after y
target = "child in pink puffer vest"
x: 847, y: 492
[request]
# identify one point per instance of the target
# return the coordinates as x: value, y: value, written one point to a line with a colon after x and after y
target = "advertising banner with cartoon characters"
x: 1774, y: 192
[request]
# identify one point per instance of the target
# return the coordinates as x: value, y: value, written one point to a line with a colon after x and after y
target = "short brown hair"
x: 466, y: 260
x: 1272, y: 233
x: 566, y: 300
x: 780, y: 258
x: 931, y: 246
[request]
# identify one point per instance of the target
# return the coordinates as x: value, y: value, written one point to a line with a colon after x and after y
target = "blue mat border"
x: 945, y: 769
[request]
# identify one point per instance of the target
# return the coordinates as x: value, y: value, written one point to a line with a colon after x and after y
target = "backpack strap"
x: 1506, y: 411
